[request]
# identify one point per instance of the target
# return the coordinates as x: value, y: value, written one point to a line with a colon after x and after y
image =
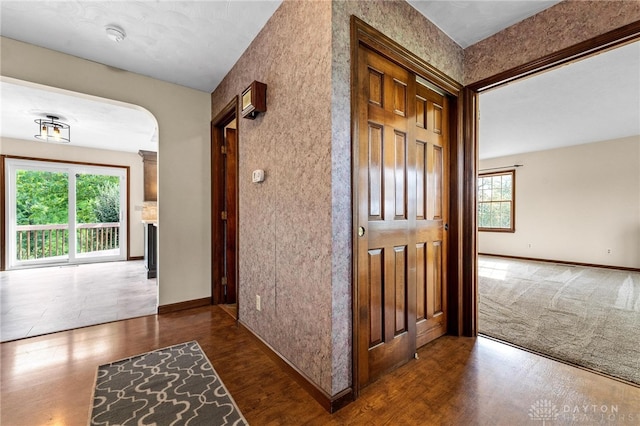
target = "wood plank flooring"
x: 44, y: 300
x: 48, y: 380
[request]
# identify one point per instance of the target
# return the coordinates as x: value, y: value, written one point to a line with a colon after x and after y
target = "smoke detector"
x: 115, y: 33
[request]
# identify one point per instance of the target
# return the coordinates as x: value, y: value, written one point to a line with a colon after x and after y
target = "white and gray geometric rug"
x: 171, y: 386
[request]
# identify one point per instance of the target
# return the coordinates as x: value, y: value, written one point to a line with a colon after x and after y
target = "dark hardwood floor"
x: 48, y: 380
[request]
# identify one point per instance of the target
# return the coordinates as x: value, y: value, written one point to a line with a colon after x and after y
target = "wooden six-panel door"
x: 400, y: 215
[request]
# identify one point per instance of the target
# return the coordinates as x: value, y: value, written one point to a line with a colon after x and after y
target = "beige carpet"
x: 585, y: 316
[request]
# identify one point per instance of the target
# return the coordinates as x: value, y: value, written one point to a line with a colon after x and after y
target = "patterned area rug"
x: 171, y: 386
x: 584, y: 316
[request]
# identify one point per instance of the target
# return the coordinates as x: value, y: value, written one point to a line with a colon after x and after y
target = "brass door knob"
x: 360, y: 231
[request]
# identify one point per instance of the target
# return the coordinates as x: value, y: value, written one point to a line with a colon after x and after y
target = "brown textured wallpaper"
x: 563, y: 25
x: 295, y: 228
x: 285, y: 222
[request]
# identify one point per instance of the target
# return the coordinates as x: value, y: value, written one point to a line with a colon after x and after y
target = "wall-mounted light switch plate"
x: 257, y: 176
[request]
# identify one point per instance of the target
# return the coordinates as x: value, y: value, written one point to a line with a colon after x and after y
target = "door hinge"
x: 224, y: 280
x: 223, y: 149
x: 223, y: 215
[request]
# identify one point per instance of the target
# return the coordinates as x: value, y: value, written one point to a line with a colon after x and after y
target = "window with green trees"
x: 64, y: 213
x: 42, y: 198
x: 496, y: 201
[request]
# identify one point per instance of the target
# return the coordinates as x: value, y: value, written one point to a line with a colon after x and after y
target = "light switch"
x: 257, y: 176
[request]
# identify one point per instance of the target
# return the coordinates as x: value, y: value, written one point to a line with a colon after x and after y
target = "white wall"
x: 572, y: 204
x: 183, y: 115
x: 47, y: 151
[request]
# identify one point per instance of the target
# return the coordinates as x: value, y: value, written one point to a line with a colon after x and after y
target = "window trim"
x: 512, y: 228
x: 12, y: 164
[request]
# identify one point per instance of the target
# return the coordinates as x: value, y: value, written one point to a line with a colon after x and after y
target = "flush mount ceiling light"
x: 52, y: 130
x: 115, y: 33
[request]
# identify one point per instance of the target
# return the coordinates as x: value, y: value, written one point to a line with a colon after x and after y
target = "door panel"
x: 376, y: 297
x: 400, y: 174
x: 386, y: 211
x: 376, y: 197
x: 431, y: 136
x: 402, y: 211
x: 38, y: 214
x: 98, y: 225
x: 400, y: 286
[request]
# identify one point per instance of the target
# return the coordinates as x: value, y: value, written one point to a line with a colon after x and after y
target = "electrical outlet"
x: 258, y: 307
x: 608, y: 251
x: 530, y: 245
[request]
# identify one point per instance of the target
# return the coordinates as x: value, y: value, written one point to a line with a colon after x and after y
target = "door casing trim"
x: 222, y: 119
x: 609, y: 40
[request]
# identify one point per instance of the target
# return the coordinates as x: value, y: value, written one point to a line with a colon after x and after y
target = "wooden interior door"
x: 401, y: 212
x: 229, y: 289
x: 432, y: 177
x: 224, y: 206
x: 386, y: 216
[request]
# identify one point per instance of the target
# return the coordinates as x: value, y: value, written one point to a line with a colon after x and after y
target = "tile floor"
x: 45, y: 300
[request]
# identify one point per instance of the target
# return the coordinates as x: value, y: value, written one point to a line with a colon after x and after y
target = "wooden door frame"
x: 606, y: 41
x: 461, y: 299
x: 218, y: 124
x: 470, y: 114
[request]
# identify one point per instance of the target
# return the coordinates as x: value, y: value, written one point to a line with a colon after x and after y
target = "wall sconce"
x: 52, y: 130
x: 254, y: 100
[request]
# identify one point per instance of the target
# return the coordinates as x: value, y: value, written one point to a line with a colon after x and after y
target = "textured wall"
x: 285, y: 222
x: 295, y: 228
x: 561, y: 26
x: 402, y: 23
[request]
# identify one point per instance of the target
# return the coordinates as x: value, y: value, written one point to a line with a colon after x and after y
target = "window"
x: 496, y: 201
x: 60, y: 213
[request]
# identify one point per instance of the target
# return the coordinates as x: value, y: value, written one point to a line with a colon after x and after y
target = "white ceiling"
x: 195, y: 43
x: 591, y: 100
x: 468, y: 22
x: 191, y: 43
x: 95, y: 122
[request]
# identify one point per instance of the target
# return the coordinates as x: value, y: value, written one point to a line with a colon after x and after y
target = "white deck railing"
x: 42, y: 241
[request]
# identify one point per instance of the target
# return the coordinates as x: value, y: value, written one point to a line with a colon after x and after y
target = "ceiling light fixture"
x: 51, y: 130
x: 115, y: 33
